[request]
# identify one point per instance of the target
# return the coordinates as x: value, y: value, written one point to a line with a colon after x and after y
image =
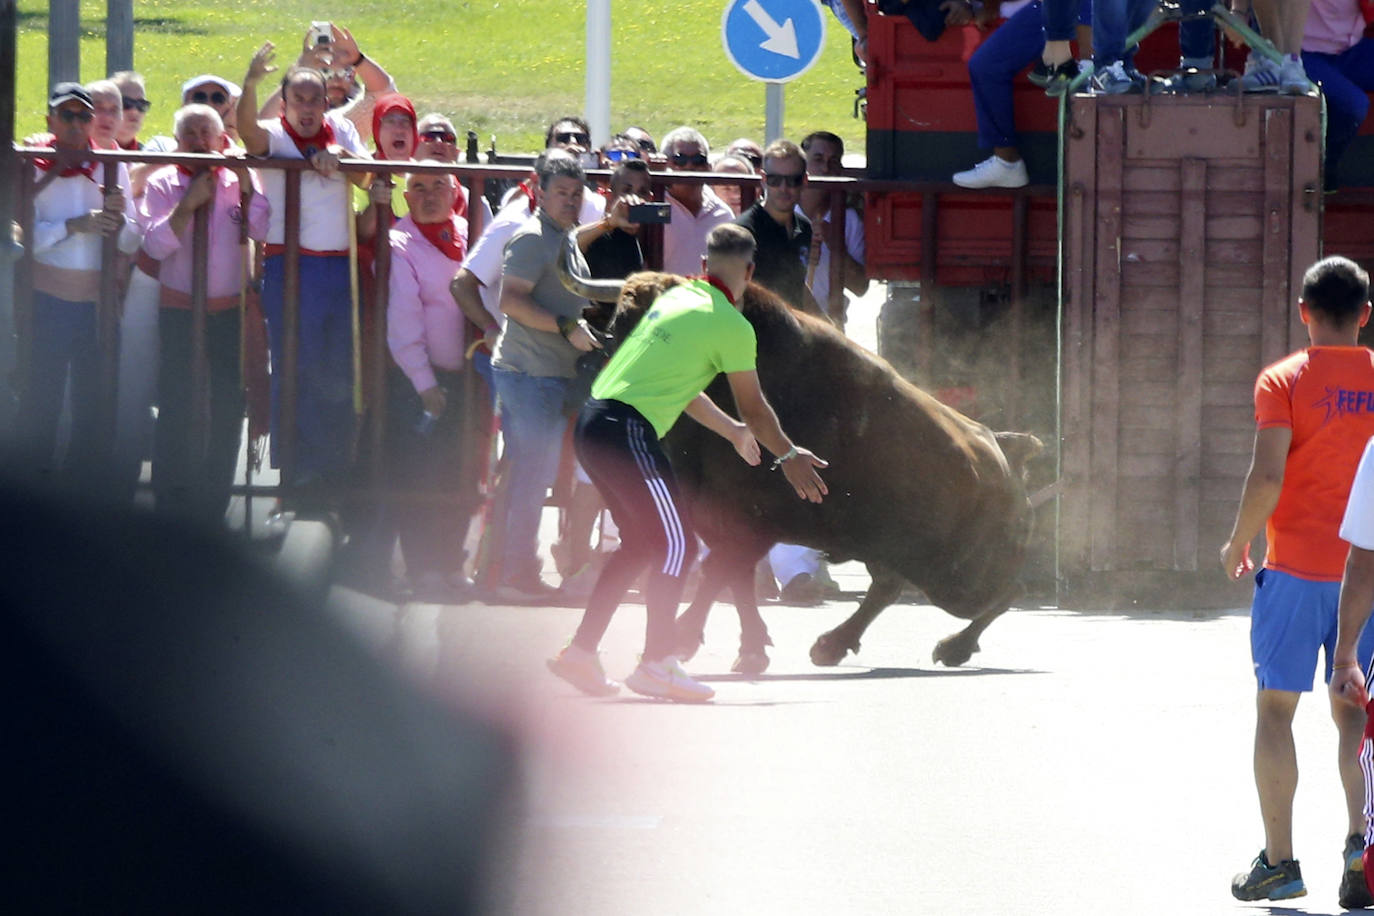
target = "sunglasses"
x: 137, y: 104
x: 776, y: 181
x: 575, y: 137
x: 684, y: 159
x: 345, y: 74
x: 201, y: 97
x: 620, y: 155
x: 647, y: 145
x: 439, y: 135
x: 83, y: 115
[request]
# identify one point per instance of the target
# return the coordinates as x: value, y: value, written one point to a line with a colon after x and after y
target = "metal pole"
x: 64, y: 41
x: 773, y: 111
x: 119, y: 35
x: 598, y: 106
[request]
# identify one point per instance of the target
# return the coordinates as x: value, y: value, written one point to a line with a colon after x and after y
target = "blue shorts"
x: 1289, y: 619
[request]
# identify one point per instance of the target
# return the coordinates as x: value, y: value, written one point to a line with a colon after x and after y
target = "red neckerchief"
x: 132, y: 145
x: 460, y: 204
x: 718, y: 285
x: 190, y: 174
x: 83, y: 168
x: 309, y: 146
x: 446, y: 236
x: 526, y: 187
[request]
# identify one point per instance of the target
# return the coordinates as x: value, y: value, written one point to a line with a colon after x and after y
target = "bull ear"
x: 587, y: 288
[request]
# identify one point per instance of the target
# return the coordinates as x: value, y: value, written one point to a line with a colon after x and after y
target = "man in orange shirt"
x: 1314, y: 411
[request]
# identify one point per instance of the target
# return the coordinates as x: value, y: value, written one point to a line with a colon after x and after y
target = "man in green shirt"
x: 690, y: 334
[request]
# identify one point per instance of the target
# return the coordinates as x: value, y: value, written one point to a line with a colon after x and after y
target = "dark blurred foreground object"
x: 188, y: 734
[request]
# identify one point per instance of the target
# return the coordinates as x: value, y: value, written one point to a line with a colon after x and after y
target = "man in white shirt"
x: 307, y: 130
x: 824, y: 157
x: 73, y: 214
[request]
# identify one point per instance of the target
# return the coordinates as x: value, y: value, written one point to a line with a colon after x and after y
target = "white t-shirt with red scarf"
x: 326, y: 203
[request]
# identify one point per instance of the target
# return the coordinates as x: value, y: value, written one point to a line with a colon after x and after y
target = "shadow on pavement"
x: 868, y: 674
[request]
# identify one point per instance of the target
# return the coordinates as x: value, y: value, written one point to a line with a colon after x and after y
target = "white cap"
x: 219, y: 81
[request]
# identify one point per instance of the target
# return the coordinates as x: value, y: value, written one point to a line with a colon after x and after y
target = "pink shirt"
x: 1333, y: 26
x: 166, y: 187
x: 684, y: 238
x: 424, y: 327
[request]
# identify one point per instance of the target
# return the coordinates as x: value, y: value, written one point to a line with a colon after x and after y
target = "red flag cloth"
x: 309, y: 146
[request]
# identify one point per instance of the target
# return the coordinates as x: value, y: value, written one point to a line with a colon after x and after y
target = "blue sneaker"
x: 1117, y: 79
x: 1269, y: 882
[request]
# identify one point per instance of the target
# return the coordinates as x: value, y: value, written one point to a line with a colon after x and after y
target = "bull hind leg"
x: 718, y: 572
x: 753, y: 632
x: 831, y: 647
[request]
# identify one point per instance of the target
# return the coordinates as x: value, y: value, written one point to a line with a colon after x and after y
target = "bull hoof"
x: 750, y: 662
x: 827, y: 651
x: 954, y: 650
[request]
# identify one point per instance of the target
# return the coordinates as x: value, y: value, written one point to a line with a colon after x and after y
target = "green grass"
x: 502, y: 67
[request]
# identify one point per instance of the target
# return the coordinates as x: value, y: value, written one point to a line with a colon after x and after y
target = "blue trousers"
x: 1344, y: 79
x: 324, y: 362
x: 64, y: 339
x: 1113, y: 20
x: 532, y: 423
x: 1010, y: 48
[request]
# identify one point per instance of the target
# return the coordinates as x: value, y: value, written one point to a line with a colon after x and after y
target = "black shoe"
x: 1354, y: 894
x: 1269, y: 882
x: 1054, y: 79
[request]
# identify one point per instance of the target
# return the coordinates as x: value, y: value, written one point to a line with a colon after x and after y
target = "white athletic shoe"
x: 668, y: 681
x: 994, y: 172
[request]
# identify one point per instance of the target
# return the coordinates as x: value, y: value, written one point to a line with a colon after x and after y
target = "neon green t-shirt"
x: 690, y: 334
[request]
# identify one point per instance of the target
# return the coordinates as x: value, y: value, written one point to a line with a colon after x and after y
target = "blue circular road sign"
x: 773, y: 40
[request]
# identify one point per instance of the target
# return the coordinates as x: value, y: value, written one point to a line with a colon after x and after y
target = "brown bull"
x: 918, y: 491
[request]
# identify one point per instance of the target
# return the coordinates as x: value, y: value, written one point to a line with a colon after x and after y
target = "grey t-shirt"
x: 531, y: 255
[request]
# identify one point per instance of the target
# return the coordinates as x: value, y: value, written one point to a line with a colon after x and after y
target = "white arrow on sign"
x: 782, y: 39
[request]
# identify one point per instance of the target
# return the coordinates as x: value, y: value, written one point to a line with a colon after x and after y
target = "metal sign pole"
x: 773, y: 112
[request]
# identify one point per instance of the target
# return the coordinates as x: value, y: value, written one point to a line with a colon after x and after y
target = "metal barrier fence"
x: 475, y: 179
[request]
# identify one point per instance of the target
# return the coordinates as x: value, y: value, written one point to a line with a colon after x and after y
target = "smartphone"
x: 651, y: 213
x: 321, y: 33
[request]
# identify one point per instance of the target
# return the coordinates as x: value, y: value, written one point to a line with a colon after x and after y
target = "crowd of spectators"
x: 470, y: 281
x: 485, y: 292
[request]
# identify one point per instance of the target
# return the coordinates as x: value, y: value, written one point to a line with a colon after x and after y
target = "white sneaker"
x: 1261, y: 75
x: 1293, y: 78
x: 994, y: 172
x: 667, y: 680
x: 583, y: 670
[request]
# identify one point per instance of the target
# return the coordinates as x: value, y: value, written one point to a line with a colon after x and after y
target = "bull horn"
x: 587, y: 288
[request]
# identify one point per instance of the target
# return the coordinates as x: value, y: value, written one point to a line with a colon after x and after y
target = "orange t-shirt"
x: 1326, y: 396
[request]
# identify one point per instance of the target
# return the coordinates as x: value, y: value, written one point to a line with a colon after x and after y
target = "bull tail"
x: 1018, y: 449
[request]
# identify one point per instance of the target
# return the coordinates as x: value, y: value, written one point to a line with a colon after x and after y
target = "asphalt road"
x: 1079, y: 764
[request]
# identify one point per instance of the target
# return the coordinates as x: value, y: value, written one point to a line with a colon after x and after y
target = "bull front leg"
x: 959, y: 647
x: 831, y: 647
